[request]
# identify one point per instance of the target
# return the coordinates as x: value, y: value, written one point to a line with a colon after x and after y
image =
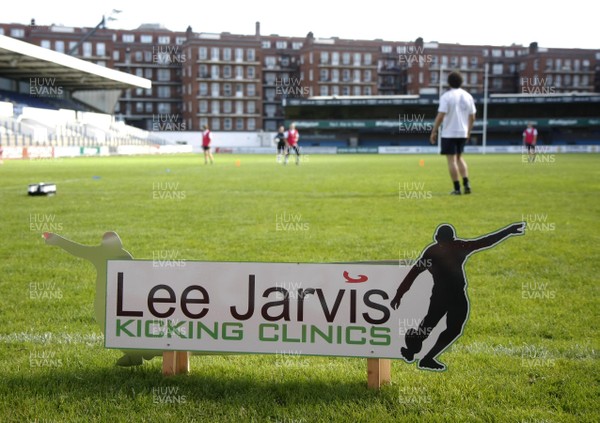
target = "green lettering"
x: 202, y: 327
x: 384, y: 337
x: 175, y: 329
x: 122, y: 327
x: 148, y: 331
x: 349, y: 340
x: 326, y: 336
x: 261, y: 334
x: 237, y: 335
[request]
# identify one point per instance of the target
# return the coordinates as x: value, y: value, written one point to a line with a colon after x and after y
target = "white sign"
x: 312, y: 309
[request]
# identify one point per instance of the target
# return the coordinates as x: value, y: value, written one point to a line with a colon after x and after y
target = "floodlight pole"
x: 101, y: 24
x: 485, y: 106
x: 86, y: 36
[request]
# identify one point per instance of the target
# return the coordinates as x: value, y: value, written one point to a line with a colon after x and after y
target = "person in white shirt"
x: 457, y: 113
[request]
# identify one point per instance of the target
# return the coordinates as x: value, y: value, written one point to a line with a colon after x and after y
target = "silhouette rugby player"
x: 111, y: 248
x: 445, y: 260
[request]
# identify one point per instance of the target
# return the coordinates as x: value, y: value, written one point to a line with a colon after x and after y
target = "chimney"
x: 257, y: 32
x: 533, y: 47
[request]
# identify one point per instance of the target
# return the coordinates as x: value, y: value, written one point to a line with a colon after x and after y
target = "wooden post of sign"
x: 168, y: 363
x: 182, y: 362
x: 379, y: 372
x: 175, y: 362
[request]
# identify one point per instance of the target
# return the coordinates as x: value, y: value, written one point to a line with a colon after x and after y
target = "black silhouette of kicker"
x: 445, y: 259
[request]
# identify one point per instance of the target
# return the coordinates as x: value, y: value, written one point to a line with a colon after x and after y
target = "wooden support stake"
x: 182, y: 362
x: 169, y: 360
x: 385, y: 370
x: 176, y: 362
x: 379, y: 372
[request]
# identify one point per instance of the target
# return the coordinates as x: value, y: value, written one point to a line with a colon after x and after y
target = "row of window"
x: 344, y: 90
x: 227, y: 107
x: 281, y: 44
x: 270, y: 94
x: 224, y: 72
x: 428, y: 59
x: 126, y: 38
x: 14, y: 32
x: 433, y: 60
x: 271, y: 61
x: 279, y: 79
x: 333, y: 58
x: 557, y: 81
x: 161, y: 74
x: 161, y: 92
x: 560, y: 64
x: 498, y: 68
x: 227, y: 124
x: 141, y: 107
x: 497, y: 52
x: 225, y: 54
x: 224, y: 90
x: 157, y: 56
x: 334, y: 76
x: 87, y: 48
x: 434, y: 78
x: 149, y: 39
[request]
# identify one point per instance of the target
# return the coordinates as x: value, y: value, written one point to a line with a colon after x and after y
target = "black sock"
x: 466, y: 182
x: 456, y: 186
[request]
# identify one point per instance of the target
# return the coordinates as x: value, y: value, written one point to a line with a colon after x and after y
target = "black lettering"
x: 285, y: 313
x: 376, y: 306
x: 120, y: 311
x: 330, y: 316
x: 301, y: 294
x: 251, y: 290
x: 352, y: 306
x: 185, y: 301
x: 152, y: 301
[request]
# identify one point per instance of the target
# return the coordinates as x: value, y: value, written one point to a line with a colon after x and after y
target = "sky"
x: 570, y: 24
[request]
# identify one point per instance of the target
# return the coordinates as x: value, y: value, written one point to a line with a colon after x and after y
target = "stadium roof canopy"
x: 19, y: 60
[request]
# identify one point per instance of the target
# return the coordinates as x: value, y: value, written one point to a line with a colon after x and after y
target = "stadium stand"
x: 23, y: 125
x: 30, y: 119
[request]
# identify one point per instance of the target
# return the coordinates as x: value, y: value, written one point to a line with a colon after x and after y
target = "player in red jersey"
x: 291, y: 138
x: 529, y: 139
x: 206, y: 140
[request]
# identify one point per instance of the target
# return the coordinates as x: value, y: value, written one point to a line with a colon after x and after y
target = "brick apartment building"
x: 240, y: 82
x: 154, y: 53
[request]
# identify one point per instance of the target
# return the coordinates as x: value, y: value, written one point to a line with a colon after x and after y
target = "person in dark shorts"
x: 457, y: 113
x: 530, y: 135
x: 280, y: 139
x: 292, y: 136
x: 206, y: 140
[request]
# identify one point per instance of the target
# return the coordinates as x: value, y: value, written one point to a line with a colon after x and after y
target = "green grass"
x: 525, y: 360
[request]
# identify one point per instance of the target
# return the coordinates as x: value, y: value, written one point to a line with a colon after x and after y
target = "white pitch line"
x: 577, y: 351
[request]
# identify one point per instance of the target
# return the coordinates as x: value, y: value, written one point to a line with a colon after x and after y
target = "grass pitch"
x: 529, y: 349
